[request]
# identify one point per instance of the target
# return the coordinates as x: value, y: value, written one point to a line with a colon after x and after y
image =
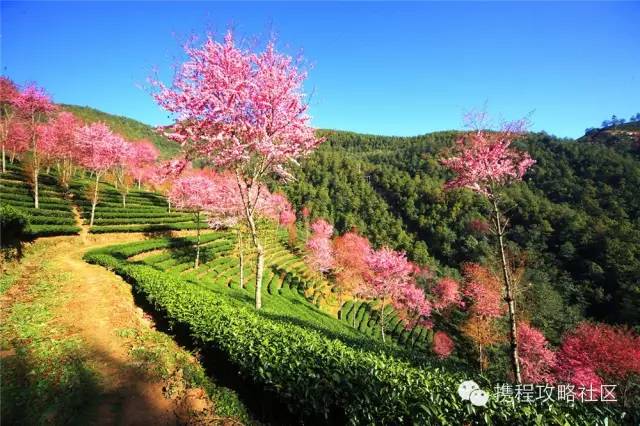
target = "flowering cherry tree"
x: 193, y: 193
x: 243, y: 111
x: 8, y: 93
x: 447, y: 293
x: 389, y: 272
x: 33, y: 106
x: 350, y: 252
x: 64, y: 149
x: 319, y: 248
x: 122, y: 170
x: 100, y: 150
x: 17, y: 138
x: 595, y: 354
x: 537, y: 360
x: 442, y: 344
x: 485, y: 162
x: 143, y: 158
x: 482, y: 290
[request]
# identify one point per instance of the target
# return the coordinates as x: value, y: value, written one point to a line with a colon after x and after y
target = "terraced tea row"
x: 55, y: 215
x: 143, y: 211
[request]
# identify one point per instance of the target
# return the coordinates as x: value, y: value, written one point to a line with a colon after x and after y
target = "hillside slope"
x: 575, y: 219
x: 127, y: 127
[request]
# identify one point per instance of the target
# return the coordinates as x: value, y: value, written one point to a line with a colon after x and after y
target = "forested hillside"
x: 126, y: 127
x: 575, y: 222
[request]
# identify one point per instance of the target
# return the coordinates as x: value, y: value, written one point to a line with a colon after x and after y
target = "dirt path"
x: 100, y: 304
x: 97, y: 308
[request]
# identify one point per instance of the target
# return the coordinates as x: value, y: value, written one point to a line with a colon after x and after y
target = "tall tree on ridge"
x: 242, y: 111
x: 484, y: 161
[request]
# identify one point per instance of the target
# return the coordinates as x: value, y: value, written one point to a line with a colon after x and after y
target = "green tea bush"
x: 323, y: 377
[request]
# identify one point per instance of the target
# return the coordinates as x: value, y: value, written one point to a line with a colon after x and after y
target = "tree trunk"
x: 197, y: 239
x: 48, y: 169
x: 95, y: 200
x: 241, y: 247
x: 4, y: 164
x: 35, y: 187
x: 259, y: 261
x: 13, y: 156
x: 513, y: 332
x: 382, y: 320
x: 124, y: 200
x: 168, y: 205
x: 139, y: 185
x: 480, y: 358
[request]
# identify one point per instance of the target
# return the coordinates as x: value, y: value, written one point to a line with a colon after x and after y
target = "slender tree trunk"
x: 4, y: 164
x: 13, y: 156
x: 509, y: 299
x: 48, y: 169
x: 480, y: 358
x: 168, y: 205
x: 197, y: 239
x: 241, y: 247
x: 95, y: 200
x: 353, y: 317
x: 36, y: 163
x: 124, y: 200
x: 259, y: 261
x: 139, y: 185
x: 382, y: 320
x: 35, y: 187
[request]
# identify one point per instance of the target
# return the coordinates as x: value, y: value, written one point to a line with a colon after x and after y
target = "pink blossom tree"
x: 242, y: 111
x: 485, y: 162
x: 122, y: 170
x: 162, y: 176
x: 594, y: 354
x: 33, y: 106
x: 143, y: 158
x: 537, y: 360
x: 350, y: 251
x: 17, y: 139
x: 64, y: 149
x: 319, y: 248
x: 447, y: 293
x: 8, y: 93
x: 100, y: 150
x: 442, y: 344
x: 193, y: 193
x: 389, y: 272
x: 412, y: 307
x: 483, y: 300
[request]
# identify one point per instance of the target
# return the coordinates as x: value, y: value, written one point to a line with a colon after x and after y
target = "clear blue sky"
x: 384, y: 68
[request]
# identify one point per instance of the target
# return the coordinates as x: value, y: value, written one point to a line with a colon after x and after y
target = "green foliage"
x: 574, y: 219
x: 320, y: 376
x: 14, y: 226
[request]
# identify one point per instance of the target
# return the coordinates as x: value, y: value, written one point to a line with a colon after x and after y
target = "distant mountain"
x: 126, y: 127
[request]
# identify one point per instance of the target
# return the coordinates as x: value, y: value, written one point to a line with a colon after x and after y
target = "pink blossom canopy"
x: 320, y: 250
x: 484, y: 159
x: 100, y: 148
x: 537, y: 361
x: 232, y: 105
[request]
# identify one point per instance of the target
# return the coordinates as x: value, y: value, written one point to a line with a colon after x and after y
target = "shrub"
x: 14, y: 226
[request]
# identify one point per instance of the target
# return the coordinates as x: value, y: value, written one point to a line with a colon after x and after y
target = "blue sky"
x: 383, y: 68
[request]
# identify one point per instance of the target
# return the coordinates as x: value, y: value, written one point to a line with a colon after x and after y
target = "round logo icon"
x: 466, y: 387
x: 479, y: 397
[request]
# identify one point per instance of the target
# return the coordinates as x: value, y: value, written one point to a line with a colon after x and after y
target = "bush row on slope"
x: 323, y: 377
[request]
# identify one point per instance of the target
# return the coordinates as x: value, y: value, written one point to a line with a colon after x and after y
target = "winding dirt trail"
x: 100, y: 303
x: 96, y: 305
